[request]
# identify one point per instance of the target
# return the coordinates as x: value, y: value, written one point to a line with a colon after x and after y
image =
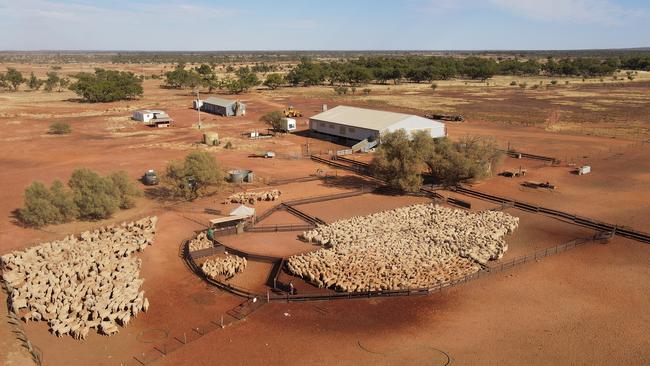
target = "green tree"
x: 204, y: 70
x: 401, y: 159
x: 192, y: 177
x: 14, y: 78
x: 247, y: 79
x: 273, y: 119
x: 63, y: 83
x: 52, y: 81
x: 398, y: 160
x: 126, y: 189
x: 107, y: 86
x: 34, y: 83
x: 470, y: 158
x: 63, y: 200
x: 95, y: 196
x: 273, y: 81
x: 39, y: 209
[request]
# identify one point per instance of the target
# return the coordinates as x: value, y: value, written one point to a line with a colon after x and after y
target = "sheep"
x: 80, y: 283
x: 253, y: 197
x: 415, y: 246
x: 227, y: 266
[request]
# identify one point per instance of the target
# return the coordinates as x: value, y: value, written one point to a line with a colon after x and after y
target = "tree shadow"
x: 349, y: 181
x: 158, y: 193
x: 14, y: 218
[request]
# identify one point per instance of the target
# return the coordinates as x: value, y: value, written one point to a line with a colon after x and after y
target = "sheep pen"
x: 227, y: 266
x: 253, y: 197
x: 418, y: 246
x: 81, y: 283
x: 200, y: 242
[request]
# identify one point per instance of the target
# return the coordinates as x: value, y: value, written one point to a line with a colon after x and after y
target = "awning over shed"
x: 225, y: 219
x: 243, y: 210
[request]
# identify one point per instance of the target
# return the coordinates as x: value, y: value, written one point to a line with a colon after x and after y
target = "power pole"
x: 198, y: 107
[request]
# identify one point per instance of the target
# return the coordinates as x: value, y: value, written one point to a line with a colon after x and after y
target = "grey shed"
x: 224, y: 107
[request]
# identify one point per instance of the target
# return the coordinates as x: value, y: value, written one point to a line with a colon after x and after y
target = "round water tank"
x: 239, y: 176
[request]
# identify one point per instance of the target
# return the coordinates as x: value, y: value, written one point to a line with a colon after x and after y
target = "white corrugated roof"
x: 219, y: 101
x: 220, y: 220
x: 243, y: 211
x: 361, y: 117
x: 158, y: 111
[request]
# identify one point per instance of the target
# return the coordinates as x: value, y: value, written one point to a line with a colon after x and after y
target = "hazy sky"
x: 322, y: 24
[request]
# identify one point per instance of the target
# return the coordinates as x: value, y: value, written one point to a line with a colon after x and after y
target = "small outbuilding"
x: 288, y: 124
x: 359, y: 124
x: 222, y: 107
x: 152, y: 117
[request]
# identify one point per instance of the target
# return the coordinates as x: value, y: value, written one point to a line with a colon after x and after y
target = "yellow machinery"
x: 292, y: 112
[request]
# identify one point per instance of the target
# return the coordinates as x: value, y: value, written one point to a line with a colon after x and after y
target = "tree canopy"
x: 401, y: 159
x: 11, y: 79
x: 273, y: 81
x: 107, y: 86
x: 88, y: 196
x: 273, y: 119
x: 190, y: 178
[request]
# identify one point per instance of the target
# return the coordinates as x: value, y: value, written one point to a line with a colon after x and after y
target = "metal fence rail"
x: 384, y: 293
x: 279, y: 228
x: 575, y: 219
x: 437, y: 288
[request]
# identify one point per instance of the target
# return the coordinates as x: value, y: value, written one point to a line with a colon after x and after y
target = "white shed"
x: 147, y: 115
x: 143, y: 116
x: 361, y: 123
x: 288, y: 124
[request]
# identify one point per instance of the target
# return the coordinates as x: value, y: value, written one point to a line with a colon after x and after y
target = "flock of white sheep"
x: 81, y: 283
x: 253, y: 197
x: 410, y: 247
x: 200, y: 242
x: 226, y: 266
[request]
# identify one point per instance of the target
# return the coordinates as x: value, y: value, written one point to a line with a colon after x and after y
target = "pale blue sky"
x: 214, y: 25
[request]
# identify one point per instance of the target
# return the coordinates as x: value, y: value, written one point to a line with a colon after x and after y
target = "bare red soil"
x: 582, y: 307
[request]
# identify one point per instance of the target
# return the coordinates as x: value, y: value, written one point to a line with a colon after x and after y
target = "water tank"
x: 240, y: 176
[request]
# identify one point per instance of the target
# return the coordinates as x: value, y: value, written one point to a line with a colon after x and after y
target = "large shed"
x: 360, y: 123
x: 223, y: 107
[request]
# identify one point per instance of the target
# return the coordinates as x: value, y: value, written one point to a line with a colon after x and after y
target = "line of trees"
x: 87, y: 196
x: 12, y: 79
x: 205, y: 76
x: 419, y: 69
x: 401, y: 160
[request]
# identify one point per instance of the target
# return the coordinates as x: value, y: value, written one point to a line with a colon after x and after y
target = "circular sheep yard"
x: 419, y: 246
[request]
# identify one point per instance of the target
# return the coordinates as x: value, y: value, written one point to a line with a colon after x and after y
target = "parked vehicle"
x: 150, y: 178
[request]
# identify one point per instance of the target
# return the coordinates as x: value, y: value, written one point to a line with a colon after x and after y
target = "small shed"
x: 288, y: 124
x: 223, y: 107
x: 153, y: 117
x: 585, y: 169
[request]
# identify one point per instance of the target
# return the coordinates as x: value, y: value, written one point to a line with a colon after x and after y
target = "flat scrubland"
x: 584, y: 306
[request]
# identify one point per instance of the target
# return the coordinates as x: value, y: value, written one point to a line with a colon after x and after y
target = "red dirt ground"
x: 582, y: 307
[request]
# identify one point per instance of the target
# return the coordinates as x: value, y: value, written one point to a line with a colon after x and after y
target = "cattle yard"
x: 324, y: 230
